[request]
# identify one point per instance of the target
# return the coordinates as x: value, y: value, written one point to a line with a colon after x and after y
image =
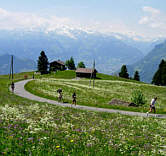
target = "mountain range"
x: 108, y: 51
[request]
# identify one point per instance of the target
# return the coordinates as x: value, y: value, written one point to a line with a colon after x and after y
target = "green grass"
x: 101, y: 76
x: 106, y: 89
x: 68, y: 74
x: 33, y: 128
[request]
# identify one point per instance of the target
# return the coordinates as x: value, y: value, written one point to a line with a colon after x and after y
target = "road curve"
x: 20, y: 91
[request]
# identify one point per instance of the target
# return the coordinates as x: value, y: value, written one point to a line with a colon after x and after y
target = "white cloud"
x: 154, y: 18
x: 21, y: 20
x: 151, y: 10
x: 16, y: 20
x: 144, y: 20
x: 28, y: 21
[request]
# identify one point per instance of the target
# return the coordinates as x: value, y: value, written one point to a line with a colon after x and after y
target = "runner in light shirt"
x: 152, y: 105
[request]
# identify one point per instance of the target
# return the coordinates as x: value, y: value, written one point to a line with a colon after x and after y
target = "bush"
x: 138, y: 98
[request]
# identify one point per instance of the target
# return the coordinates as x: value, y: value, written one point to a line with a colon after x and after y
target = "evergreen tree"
x: 81, y: 65
x: 43, y: 63
x: 136, y: 76
x: 163, y: 77
x: 67, y: 63
x: 124, y: 72
x: 159, y: 77
x: 70, y: 64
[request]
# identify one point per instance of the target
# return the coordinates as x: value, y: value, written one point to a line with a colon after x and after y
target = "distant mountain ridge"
x: 20, y: 65
x: 149, y: 64
x: 108, y: 51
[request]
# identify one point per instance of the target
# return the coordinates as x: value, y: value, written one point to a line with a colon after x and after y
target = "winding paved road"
x: 20, y: 91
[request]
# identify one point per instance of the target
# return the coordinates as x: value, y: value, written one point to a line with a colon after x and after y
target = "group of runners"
x: 152, y: 104
x: 60, y: 97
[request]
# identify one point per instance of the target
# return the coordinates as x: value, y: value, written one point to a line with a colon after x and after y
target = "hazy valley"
x: 109, y: 51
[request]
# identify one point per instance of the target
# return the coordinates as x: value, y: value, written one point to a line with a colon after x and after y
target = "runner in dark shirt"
x: 74, y: 98
x: 12, y: 86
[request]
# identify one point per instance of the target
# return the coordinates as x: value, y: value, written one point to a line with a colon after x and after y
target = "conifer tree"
x: 67, y: 63
x: 159, y: 77
x: 124, y: 72
x: 136, y: 76
x: 43, y: 63
x: 70, y: 64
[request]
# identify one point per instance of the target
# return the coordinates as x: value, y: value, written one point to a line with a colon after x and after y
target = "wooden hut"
x: 57, y: 65
x: 86, y: 72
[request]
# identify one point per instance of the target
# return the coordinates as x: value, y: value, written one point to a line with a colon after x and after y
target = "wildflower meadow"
x: 43, y: 129
x: 34, y: 128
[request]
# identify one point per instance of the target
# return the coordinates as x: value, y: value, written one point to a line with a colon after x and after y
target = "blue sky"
x: 138, y: 17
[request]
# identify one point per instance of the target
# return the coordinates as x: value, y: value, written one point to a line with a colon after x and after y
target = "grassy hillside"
x: 106, y: 89
x: 33, y: 128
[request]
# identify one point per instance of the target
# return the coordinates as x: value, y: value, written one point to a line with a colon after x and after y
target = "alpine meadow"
x: 83, y: 78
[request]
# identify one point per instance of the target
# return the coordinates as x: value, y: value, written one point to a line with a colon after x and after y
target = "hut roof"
x: 84, y: 70
x: 59, y: 62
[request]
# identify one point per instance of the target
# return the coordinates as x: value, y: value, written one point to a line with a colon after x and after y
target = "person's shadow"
x: 65, y: 102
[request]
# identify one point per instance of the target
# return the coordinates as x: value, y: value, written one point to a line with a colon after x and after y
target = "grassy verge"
x: 34, y: 128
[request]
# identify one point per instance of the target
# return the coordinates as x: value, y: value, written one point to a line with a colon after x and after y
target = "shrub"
x: 138, y: 98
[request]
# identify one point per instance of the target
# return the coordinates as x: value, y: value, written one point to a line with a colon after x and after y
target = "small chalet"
x: 57, y: 65
x: 86, y: 72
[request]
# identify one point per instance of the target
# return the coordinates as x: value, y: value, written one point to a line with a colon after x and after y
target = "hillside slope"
x: 106, y: 89
x: 33, y: 128
x: 149, y: 64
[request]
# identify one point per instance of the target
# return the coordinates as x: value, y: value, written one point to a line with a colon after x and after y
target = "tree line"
x: 43, y: 64
x: 71, y: 65
x: 159, y: 77
x: 124, y: 74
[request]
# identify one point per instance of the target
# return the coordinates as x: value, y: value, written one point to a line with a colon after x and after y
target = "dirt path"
x: 20, y: 91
